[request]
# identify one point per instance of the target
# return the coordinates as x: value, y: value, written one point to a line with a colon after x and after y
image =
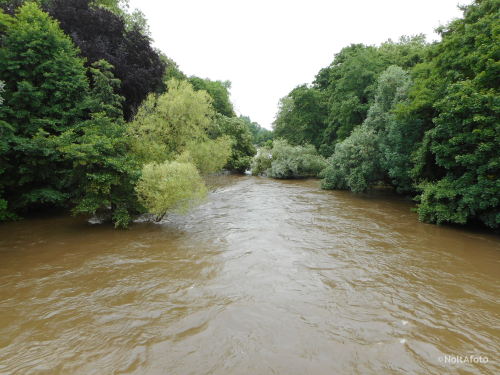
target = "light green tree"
x: 218, y: 91
x: 170, y: 186
x: 209, y: 156
x: 165, y: 124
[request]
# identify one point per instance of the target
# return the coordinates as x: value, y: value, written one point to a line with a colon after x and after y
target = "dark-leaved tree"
x: 102, y: 35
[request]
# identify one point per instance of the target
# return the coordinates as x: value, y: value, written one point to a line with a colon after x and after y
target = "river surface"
x: 266, y: 277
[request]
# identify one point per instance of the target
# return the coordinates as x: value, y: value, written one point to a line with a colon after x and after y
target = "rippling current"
x: 266, y: 277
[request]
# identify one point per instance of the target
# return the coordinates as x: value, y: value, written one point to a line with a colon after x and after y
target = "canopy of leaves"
x: 166, y: 124
x: 209, y: 156
x: 301, y: 116
x: 342, y: 93
x: 355, y: 163
x: 104, y: 170
x: 375, y: 151
x: 218, y: 91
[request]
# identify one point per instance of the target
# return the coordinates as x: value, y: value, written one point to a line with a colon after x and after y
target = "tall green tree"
x: 45, y: 93
x: 398, y: 135
x: 350, y: 84
x: 104, y: 169
x: 302, y: 116
x: 380, y: 149
x: 218, y: 91
x: 165, y: 124
x: 458, y: 164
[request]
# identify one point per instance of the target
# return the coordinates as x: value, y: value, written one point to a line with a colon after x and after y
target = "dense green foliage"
x: 379, y: 150
x: 421, y: 118
x: 218, y: 91
x: 94, y: 119
x: 106, y: 30
x: 64, y: 138
x: 342, y: 93
x: 355, y: 164
x: 461, y: 150
x: 165, y: 124
x: 242, y: 146
x: 302, y: 115
x: 45, y: 94
x: 286, y: 161
x: 104, y: 170
x: 208, y: 156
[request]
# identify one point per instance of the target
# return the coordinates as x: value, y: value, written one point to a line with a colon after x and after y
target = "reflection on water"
x: 267, y: 277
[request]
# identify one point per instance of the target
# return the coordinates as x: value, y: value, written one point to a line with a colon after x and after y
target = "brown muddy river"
x: 266, y: 277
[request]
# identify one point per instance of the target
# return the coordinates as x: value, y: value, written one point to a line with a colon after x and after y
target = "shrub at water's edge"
x: 286, y: 161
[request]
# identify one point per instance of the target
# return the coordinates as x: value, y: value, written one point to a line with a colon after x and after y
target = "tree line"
x: 95, y: 119
x: 420, y: 117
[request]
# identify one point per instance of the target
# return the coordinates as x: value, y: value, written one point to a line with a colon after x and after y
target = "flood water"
x: 266, y: 277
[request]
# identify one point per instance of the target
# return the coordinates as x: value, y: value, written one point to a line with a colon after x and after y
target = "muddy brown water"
x: 266, y: 277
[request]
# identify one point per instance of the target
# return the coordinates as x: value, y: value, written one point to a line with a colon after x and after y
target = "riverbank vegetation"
x: 283, y: 160
x: 96, y: 120
x: 420, y: 117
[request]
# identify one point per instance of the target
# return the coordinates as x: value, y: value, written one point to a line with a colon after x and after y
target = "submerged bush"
x: 169, y: 186
x: 262, y: 161
x: 287, y: 161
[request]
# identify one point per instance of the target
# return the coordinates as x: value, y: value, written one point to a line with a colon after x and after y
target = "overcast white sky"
x: 266, y: 48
